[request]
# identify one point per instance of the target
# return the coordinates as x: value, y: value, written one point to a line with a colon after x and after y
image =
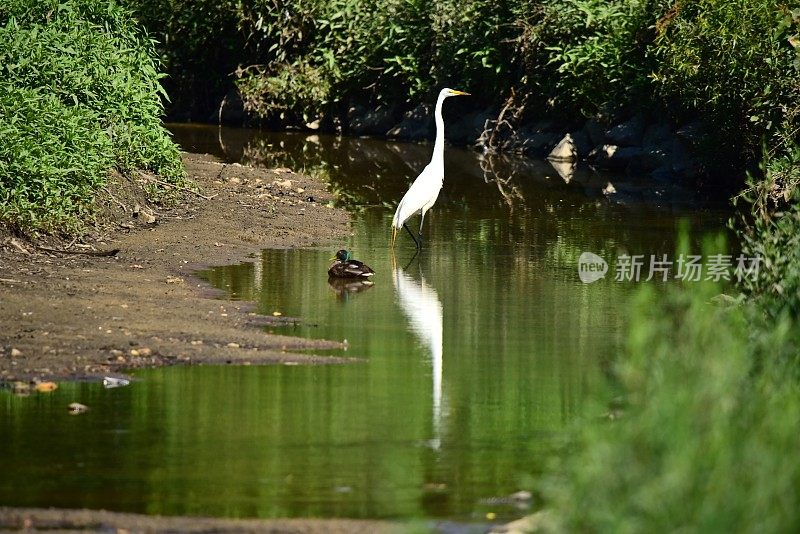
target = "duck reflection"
x: 346, y: 287
x: 423, y: 309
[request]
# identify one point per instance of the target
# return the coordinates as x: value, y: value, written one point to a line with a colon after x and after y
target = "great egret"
x: 422, y: 194
x: 344, y: 266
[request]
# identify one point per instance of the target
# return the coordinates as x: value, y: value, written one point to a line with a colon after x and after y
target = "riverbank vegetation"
x: 696, y: 429
x: 79, y: 97
x: 732, y: 64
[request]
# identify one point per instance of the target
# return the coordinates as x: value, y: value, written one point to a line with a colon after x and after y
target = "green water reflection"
x: 479, y: 351
x: 476, y: 355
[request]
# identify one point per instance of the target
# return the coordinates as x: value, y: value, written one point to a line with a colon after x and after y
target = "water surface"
x: 477, y: 353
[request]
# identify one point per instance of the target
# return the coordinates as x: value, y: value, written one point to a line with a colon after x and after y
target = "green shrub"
x: 772, y: 233
x: 395, y: 51
x: 322, y: 53
x: 737, y: 63
x: 589, y: 53
x: 94, y: 75
x: 291, y: 89
x: 704, y: 442
x: 472, y: 45
x: 200, y: 43
x: 52, y: 158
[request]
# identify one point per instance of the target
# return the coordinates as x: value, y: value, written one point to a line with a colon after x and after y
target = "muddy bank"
x: 81, y: 316
x: 35, y: 519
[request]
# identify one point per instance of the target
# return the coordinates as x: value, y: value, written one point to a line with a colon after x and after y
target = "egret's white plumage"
x: 423, y: 193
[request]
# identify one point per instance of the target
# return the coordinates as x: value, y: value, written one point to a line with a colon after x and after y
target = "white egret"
x: 422, y: 194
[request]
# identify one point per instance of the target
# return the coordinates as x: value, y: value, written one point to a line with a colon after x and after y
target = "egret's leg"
x: 416, y: 253
x: 421, y: 222
x: 417, y: 243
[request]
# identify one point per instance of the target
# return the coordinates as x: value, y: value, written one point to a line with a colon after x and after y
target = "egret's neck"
x: 438, y: 145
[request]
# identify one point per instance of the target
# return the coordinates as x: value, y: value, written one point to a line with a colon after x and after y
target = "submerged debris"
x: 21, y: 389
x: 46, y: 387
x: 520, y: 499
x: 112, y: 382
x: 76, y: 408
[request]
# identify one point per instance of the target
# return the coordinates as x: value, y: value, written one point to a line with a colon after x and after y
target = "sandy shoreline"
x: 70, y: 316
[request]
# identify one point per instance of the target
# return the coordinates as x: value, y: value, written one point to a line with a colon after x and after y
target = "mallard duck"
x: 344, y: 267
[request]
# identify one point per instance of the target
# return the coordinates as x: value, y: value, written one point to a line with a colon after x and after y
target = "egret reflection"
x: 423, y: 309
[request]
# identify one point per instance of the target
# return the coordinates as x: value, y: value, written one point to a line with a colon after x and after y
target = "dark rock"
x: 534, y: 139
x: 600, y: 153
x: 628, y: 157
x: 628, y: 133
x: 468, y: 128
x: 536, y: 143
x: 652, y: 158
x: 375, y: 121
x: 658, y: 147
x: 583, y: 143
x: 664, y: 174
x: 416, y: 125
x: 615, y: 157
x: 657, y: 135
x: 595, y: 131
x: 520, y: 142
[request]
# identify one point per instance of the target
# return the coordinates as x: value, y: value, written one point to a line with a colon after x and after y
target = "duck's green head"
x: 342, y: 255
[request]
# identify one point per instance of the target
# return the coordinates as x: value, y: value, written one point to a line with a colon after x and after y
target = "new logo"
x: 591, y: 267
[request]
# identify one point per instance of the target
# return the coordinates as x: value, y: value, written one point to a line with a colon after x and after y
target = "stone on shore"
x: 565, y: 150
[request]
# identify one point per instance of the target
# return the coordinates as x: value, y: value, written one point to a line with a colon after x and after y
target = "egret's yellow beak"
x: 460, y: 93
